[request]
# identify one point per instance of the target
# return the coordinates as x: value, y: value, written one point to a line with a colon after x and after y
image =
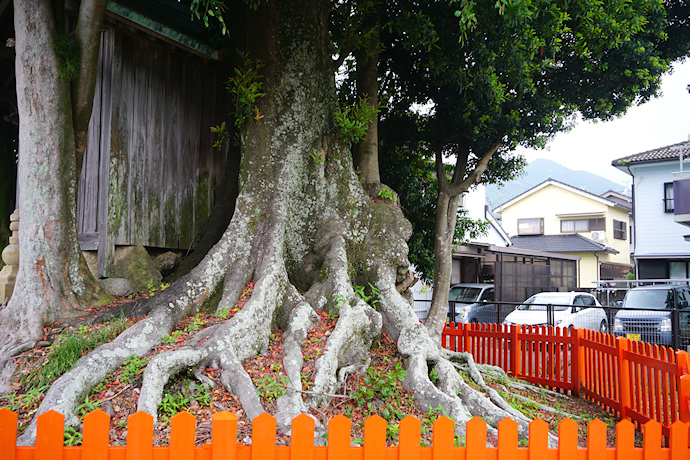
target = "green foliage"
x: 370, y: 299
x: 68, y: 348
x: 87, y: 407
x: 17, y: 402
x: 72, y: 436
x: 380, y: 386
x: 222, y: 135
x: 318, y: 157
x: 354, y: 121
x: 270, y: 388
x: 207, y: 10
x: 132, y: 368
x: 246, y: 87
x: 387, y: 194
x: 152, y: 288
x: 172, y: 403
x: 67, y: 50
x: 169, y: 339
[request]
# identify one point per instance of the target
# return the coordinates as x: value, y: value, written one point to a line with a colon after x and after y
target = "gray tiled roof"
x: 650, y: 156
x: 568, y: 243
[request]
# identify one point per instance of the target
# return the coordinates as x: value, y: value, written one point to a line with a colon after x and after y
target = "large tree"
x: 56, y: 76
x: 303, y: 229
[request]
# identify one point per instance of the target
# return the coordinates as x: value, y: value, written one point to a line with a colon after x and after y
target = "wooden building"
x: 150, y: 169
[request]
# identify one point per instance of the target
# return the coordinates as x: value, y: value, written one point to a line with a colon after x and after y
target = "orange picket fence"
x: 224, y: 445
x: 637, y: 380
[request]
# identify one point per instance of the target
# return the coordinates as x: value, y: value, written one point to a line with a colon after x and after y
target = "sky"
x: 593, y: 146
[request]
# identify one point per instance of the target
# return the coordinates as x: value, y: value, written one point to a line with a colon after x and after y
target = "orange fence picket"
x: 224, y: 445
x: 636, y: 380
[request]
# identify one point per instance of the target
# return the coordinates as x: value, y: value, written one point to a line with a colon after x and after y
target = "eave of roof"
x: 559, y: 184
x: 659, y: 155
x: 567, y: 243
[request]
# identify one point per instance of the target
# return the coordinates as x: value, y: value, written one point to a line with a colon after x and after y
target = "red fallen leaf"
x: 179, y: 339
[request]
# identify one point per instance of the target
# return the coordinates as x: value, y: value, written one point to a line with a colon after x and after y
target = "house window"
x: 583, y: 225
x: 620, y: 230
x: 531, y: 226
x: 668, y: 197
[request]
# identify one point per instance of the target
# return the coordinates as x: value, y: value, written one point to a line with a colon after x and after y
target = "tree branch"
x: 88, y: 36
x: 458, y: 187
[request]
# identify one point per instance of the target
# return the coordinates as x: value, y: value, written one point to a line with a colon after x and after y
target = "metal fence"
x: 669, y: 327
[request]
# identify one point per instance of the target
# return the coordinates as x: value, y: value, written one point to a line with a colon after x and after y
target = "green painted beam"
x: 160, y: 30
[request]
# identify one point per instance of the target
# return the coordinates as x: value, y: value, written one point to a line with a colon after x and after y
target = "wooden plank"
x: 263, y: 437
x: 106, y: 238
x: 410, y: 438
x: 50, y: 432
x: 8, y: 433
x: 140, y: 436
x: 182, y: 436
x: 443, y: 438
x: 224, y: 436
x: 375, y: 438
x: 95, y: 435
x: 302, y: 438
x: 339, y: 429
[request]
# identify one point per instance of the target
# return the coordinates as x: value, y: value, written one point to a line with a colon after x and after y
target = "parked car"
x: 470, y: 303
x: 576, y: 309
x: 646, y: 314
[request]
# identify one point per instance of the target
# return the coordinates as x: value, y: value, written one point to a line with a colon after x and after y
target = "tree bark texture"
x: 53, y: 281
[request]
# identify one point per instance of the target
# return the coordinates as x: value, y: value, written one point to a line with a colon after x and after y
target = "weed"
x: 271, y: 388
x: 131, y: 369
x: 222, y: 313
x: 245, y: 88
x: 370, y: 299
x: 169, y: 339
x: 387, y: 194
x: 317, y: 157
x: 29, y: 399
x: 173, y: 403
x: 87, y: 407
x: 380, y: 386
x: 196, y: 323
x: 72, y: 437
x: 68, y: 348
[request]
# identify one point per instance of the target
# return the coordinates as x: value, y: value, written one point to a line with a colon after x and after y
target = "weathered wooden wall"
x: 150, y: 169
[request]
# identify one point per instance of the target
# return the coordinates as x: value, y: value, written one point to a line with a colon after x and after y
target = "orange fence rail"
x: 224, y: 445
x: 638, y: 381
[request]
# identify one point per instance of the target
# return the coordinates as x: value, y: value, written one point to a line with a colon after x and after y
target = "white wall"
x: 656, y: 231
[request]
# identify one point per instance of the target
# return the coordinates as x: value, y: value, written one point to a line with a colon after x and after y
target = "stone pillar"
x: 10, y: 255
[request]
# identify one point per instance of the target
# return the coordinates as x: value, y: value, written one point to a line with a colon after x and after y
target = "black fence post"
x: 452, y: 311
x: 549, y: 315
x: 675, y: 328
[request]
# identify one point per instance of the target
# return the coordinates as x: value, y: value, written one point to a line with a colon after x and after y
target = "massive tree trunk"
x: 53, y: 282
x: 306, y: 232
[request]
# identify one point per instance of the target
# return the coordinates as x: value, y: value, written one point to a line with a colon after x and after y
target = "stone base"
x: 8, y: 276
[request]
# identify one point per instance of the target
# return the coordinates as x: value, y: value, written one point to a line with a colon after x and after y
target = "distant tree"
x: 492, y: 76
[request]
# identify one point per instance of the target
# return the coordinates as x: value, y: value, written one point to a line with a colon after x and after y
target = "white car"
x: 576, y: 309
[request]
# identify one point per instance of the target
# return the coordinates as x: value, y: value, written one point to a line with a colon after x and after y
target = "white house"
x: 659, y: 248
